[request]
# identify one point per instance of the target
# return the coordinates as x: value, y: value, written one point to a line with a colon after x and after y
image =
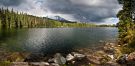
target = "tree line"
x: 11, y: 19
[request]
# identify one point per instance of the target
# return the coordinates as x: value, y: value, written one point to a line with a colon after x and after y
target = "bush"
x: 5, y: 63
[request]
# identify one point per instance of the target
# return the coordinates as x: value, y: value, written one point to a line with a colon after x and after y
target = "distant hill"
x: 61, y: 19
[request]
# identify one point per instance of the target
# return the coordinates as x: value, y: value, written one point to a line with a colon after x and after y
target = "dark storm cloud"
x: 11, y: 2
x: 84, y: 10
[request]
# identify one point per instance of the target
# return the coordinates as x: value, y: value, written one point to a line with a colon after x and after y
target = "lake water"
x: 50, y: 40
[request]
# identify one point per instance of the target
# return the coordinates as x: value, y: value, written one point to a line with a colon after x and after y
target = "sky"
x: 95, y: 11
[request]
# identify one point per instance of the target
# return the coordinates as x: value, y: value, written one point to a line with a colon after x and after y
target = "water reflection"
x: 51, y: 40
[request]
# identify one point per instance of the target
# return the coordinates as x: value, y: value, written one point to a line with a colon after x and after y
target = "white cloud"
x: 110, y: 20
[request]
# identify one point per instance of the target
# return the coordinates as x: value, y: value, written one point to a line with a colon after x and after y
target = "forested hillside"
x: 12, y: 19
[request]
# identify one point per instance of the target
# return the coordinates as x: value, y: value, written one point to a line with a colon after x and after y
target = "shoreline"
x: 73, y: 58
x: 107, y: 55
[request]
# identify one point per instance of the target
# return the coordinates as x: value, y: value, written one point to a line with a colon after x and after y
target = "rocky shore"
x: 107, y: 55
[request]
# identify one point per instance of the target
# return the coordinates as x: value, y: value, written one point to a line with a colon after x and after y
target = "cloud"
x: 75, y: 10
x: 92, y: 10
x: 110, y: 20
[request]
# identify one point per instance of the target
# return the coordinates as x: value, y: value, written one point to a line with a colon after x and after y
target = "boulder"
x: 69, y: 57
x: 59, y: 59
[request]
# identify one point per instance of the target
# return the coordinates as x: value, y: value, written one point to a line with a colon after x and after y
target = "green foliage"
x: 126, y: 23
x: 5, y: 63
x: 127, y: 50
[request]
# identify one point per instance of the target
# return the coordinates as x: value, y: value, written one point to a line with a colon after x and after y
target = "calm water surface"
x: 55, y: 39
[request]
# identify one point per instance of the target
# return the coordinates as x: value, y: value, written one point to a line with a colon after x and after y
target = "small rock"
x: 19, y: 64
x: 111, y: 56
x: 112, y: 44
x: 101, y: 41
x: 73, y: 62
x: 55, y: 64
x: 111, y: 64
x: 119, y: 45
x: 122, y: 59
x: 45, y: 63
x: 39, y: 63
x: 109, y: 49
x: 77, y: 55
x: 98, y: 57
x: 35, y: 63
x: 94, y: 59
x: 69, y: 57
x: 51, y: 60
